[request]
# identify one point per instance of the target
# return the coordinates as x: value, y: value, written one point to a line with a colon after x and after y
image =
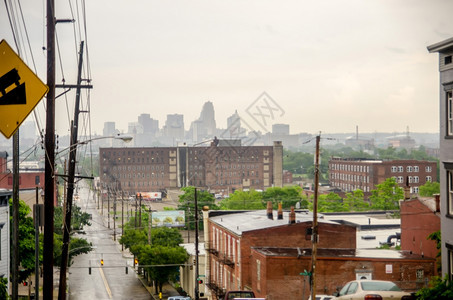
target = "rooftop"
x: 243, y: 221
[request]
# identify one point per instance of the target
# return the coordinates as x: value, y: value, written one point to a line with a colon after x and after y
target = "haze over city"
x: 329, y: 65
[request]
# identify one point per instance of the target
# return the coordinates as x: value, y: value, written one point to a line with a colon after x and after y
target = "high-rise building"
x: 445, y: 50
x: 205, y: 126
x: 174, y: 128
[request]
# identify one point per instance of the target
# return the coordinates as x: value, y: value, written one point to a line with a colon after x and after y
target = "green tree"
x: 247, y: 200
x: 386, y: 195
x: 355, y: 201
x: 26, y: 245
x: 77, y: 246
x: 438, y: 289
x: 187, y: 203
x: 78, y: 219
x: 329, y: 203
x: 162, y: 255
x: 429, y: 189
x: 3, y: 288
x: 288, y: 196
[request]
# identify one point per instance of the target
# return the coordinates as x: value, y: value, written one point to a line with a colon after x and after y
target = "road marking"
x: 105, y: 283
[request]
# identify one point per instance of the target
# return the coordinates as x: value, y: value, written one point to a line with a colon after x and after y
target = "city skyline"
x: 330, y: 66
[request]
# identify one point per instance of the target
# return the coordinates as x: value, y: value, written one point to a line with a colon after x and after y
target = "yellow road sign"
x: 20, y: 90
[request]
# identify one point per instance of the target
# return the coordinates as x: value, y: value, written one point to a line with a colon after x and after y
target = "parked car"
x: 372, y: 290
x: 229, y: 295
x: 178, y: 298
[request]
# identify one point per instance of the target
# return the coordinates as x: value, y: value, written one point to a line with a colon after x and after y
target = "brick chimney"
x: 280, y: 212
x: 437, y: 199
x: 269, y: 210
x: 407, y: 190
x: 292, y: 216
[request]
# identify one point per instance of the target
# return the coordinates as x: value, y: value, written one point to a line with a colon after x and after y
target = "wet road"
x: 109, y: 281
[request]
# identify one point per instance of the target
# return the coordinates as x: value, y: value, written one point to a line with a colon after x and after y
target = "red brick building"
x: 419, y: 218
x: 28, y: 178
x: 275, y: 272
x: 230, y: 237
x: 259, y: 251
x: 365, y: 174
x: 219, y: 168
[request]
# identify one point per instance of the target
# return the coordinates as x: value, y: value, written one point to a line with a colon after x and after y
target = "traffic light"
x: 102, y: 261
x: 200, y: 281
x: 136, y: 261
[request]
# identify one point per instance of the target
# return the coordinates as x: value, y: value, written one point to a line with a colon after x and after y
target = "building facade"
x: 420, y: 217
x: 230, y: 238
x: 445, y: 50
x: 353, y: 174
x: 219, y: 168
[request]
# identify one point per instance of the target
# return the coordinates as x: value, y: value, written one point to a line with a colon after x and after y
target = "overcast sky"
x: 328, y: 65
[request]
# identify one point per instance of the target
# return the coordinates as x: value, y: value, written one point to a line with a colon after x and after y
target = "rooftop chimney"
x: 292, y: 216
x: 407, y: 190
x: 437, y: 199
x: 269, y: 210
x: 280, y: 212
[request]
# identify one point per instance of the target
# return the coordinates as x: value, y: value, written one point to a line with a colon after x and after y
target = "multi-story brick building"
x: 231, y: 236
x: 220, y: 168
x: 365, y: 174
x: 445, y: 50
x: 266, y: 252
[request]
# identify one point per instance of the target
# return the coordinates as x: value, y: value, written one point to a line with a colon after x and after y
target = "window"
x: 449, y: 113
x: 394, y: 169
x: 415, y: 168
x: 450, y: 191
x: 450, y: 261
x: 400, y: 168
x: 428, y: 178
x: 409, y: 168
x: 428, y: 169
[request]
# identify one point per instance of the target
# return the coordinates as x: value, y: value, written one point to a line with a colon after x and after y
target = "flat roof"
x: 441, y: 46
x: 239, y: 222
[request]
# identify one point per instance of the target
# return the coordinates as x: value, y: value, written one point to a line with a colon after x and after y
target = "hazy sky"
x: 328, y: 65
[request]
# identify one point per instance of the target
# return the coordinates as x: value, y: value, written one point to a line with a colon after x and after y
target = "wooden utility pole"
x: 197, y: 285
x: 70, y: 185
x: 122, y: 217
x: 49, y: 189
x: 314, y: 237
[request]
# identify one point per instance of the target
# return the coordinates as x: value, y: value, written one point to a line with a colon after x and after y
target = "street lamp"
x: 70, y: 192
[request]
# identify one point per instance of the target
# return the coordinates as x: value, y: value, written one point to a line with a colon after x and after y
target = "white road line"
x: 105, y: 283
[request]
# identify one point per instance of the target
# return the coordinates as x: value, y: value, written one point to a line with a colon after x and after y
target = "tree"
x: 288, y: 196
x: 355, y: 201
x: 187, y: 203
x: 26, y: 245
x: 162, y: 255
x: 386, y: 195
x: 3, y: 288
x: 247, y: 200
x: 329, y: 203
x: 78, y: 219
x: 439, y: 289
x: 429, y: 189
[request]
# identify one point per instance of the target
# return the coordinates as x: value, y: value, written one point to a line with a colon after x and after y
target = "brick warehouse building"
x: 250, y: 251
x: 221, y: 167
x: 365, y: 174
x: 28, y: 178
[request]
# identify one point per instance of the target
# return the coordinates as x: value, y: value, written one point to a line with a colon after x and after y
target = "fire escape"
x: 212, y: 284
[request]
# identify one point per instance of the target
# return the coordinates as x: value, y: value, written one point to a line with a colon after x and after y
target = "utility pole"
x: 36, y: 221
x: 70, y: 184
x: 314, y: 237
x: 49, y: 189
x: 197, y: 285
x: 136, y: 199
x: 122, y: 217
x: 140, y: 212
x: 114, y: 216
x: 15, y: 244
x: 108, y: 207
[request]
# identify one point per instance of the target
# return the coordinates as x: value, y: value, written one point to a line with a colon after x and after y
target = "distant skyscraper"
x: 109, y: 129
x: 174, y: 126
x: 205, y: 126
x: 149, y: 124
x: 280, y: 129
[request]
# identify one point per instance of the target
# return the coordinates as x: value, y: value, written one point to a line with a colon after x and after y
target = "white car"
x: 372, y: 289
x: 178, y: 298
